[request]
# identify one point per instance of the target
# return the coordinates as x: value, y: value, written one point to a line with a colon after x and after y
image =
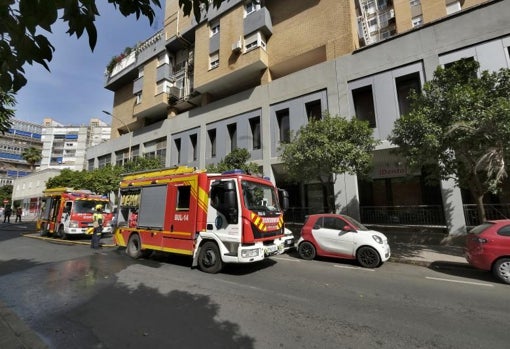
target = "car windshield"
x: 480, y: 228
x: 88, y: 206
x: 355, y: 223
x: 259, y: 197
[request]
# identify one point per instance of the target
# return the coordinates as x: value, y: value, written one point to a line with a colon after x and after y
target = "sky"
x: 73, y: 91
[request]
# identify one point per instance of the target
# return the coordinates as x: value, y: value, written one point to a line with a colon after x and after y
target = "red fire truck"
x: 68, y: 211
x: 214, y: 218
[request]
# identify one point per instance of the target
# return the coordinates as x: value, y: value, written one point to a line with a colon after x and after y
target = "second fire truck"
x: 68, y: 211
x: 214, y: 218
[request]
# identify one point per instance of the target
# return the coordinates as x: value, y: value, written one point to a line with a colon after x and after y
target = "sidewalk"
x: 15, y: 334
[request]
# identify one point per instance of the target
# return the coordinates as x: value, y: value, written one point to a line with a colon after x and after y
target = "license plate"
x: 271, y: 249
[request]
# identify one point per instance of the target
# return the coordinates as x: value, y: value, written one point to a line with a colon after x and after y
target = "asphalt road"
x: 75, y: 297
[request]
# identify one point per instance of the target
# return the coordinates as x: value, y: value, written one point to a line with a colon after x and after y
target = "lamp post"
x: 127, y: 128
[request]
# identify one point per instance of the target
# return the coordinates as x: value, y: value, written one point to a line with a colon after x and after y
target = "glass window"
x: 255, y: 132
x: 405, y: 84
x: 212, y: 142
x: 333, y: 223
x: 313, y: 110
x: 214, y: 27
x: 194, y: 147
x: 177, y: 143
x: 282, y: 117
x: 183, y: 197
x: 505, y: 231
x: 232, y: 132
x: 364, y: 104
x: 214, y: 60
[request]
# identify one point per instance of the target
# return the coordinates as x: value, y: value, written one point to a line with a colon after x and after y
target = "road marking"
x: 460, y: 282
x: 349, y: 267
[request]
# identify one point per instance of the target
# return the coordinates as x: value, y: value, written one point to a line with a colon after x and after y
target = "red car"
x: 488, y: 248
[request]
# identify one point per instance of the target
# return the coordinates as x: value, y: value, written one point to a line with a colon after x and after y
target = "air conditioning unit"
x: 237, y: 46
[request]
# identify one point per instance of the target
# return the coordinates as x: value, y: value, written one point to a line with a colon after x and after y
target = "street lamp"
x: 127, y: 128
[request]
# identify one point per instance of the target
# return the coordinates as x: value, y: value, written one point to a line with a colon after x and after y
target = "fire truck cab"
x: 213, y: 218
x: 68, y: 211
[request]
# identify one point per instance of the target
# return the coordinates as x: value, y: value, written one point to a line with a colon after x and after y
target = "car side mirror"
x: 348, y: 228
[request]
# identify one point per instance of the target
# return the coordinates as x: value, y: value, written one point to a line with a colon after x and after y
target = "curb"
x: 15, y: 333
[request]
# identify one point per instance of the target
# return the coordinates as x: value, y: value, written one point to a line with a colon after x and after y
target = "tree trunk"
x: 480, y: 208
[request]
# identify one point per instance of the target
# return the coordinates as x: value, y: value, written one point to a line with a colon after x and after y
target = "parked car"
x: 488, y: 248
x: 341, y: 236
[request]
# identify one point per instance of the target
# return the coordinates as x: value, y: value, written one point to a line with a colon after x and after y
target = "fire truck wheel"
x: 209, y: 259
x: 134, y: 247
x: 61, y: 233
x: 42, y: 230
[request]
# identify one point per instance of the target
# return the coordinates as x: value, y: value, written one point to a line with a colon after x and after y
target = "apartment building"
x: 13, y: 143
x: 64, y: 146
x: 252, y: 71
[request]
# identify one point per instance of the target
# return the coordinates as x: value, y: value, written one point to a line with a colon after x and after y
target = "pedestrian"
x: 97, y: 223
x: 19, y: 211
x: 7, y: 214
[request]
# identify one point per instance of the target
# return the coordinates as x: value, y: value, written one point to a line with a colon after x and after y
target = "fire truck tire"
x: 42, y: 230
x: 209, y: 259
x: 61, y: 233
x: 134, y: 246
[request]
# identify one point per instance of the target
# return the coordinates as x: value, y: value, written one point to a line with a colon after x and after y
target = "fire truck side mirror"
x: 284, y: 199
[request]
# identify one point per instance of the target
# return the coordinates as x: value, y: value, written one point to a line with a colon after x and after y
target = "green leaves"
x: 236, y: 159
x: 21, y: 41
x: 329, y: 146
x: 461, y: 121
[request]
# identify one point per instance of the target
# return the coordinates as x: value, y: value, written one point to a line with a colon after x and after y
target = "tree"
x: 102, y: 180
x: 22, y: 21
x: 236, y: 159
x: 5, y: 194
x: 461, y: 123
x: 32, y: 156
x: 324, y: 148
x: 7, y: 101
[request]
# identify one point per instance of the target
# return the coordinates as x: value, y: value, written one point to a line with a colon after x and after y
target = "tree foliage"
x: 461, y: 122
x: 236, y: 159
x: 32, y: 155
x: 324, y: 148
x: 22, y: 21
x: 102, y: 180
x: 5, y: 194
x: 7, y: 102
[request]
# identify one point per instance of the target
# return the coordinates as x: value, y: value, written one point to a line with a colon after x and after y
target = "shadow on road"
x: 462, y: 270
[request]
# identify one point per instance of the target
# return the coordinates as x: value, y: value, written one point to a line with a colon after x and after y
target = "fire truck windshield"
x: 88, y: 206
x: 259, y: 197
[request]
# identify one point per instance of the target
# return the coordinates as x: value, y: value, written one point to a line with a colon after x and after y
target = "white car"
x: 341, y: 236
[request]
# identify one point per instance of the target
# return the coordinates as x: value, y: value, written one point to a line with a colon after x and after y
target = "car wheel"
x: 209, y: 259
x: 306, y: 250
x: 368, y: 257
x: 501, y: 270
x: 42, y: 230
x: 61, y: 233
x: 134, y: 247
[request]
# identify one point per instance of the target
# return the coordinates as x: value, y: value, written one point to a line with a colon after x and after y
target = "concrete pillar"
x: 346, y: 195
x: 453, y: 209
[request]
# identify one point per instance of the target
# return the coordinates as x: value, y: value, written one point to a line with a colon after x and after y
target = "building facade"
x: 64, y: 146
x: 21, y: 136
x: 252, y: 72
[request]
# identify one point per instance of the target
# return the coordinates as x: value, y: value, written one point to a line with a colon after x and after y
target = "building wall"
x: 21, y: 136
x: 332, y: 82
x: 29, y: 189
